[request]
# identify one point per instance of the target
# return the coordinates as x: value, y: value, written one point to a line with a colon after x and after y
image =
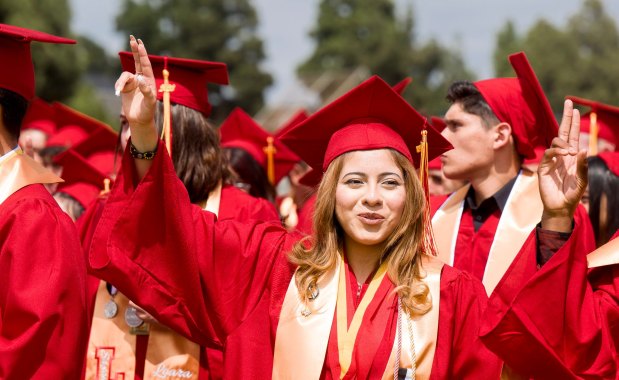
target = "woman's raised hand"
x: 139, y: 98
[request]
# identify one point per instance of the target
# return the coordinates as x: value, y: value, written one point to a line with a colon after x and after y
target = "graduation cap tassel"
x: 270, y: 152
x: 429, y: 247
x: 106, y: 187
x: 593, y: 134
x: 167, y: 88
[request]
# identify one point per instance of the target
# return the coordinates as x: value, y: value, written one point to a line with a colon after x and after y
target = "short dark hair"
x: 198, y: 160
x: 14, y: 107
x: 603, y: 182
x: 472, y: 101
x: 249, y: 171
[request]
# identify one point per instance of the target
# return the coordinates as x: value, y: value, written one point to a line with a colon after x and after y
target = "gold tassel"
x: 270, y: 151
x: 106, y: 187
x: 429, y: 246
x: 167, y: 88
x: 593, y: 133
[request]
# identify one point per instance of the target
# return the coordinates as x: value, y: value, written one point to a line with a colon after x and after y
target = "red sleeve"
x: 237, y: 205
x: 43, y: 331
x: 196, y: 276
x: 555, y: 324
x: 460, y: 353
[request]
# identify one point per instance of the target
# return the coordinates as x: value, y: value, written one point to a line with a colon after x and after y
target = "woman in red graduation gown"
x: 359, y: 299
x: 561, y: 321
x: 139, y: 353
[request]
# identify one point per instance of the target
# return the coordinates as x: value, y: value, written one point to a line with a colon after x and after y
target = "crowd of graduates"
x: 477, y: 244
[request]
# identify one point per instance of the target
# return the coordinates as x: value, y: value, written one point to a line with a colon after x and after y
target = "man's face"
x: 473, y: 144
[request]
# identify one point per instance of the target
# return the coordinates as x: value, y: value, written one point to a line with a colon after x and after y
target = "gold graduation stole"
x: 522, y: 212
x: 292, y: 360
x: 112, y: 348
x: 17, y: 170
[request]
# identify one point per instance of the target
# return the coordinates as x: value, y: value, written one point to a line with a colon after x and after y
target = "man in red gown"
x: 42, y: 270
x: 493, y: 124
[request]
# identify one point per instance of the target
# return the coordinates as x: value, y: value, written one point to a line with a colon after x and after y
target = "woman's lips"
x: 371, y: 218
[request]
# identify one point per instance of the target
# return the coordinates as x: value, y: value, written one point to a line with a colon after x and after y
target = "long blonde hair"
x: 318, y: 254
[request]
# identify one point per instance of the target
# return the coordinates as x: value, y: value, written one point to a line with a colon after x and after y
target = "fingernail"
x: 131, y: 37
x: 140, y: 41
x: 116, y: 92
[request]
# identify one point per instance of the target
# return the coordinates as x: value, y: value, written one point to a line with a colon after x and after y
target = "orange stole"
x: 608, y: 254
x: 18, y: 170
x: 305, y: 361
x: 112, y: 348
x: 522, y: 212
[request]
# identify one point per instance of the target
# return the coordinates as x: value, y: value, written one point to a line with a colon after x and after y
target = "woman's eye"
x: 353, y: 181
x: 391, y: 182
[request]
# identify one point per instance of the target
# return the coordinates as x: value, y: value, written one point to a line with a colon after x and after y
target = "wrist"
x: 144, y: 137
x: 559, y: 221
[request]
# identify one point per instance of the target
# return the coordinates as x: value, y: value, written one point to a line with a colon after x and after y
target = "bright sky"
x: 469, y: 26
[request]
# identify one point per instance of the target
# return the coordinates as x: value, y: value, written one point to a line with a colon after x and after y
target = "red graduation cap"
x: 239, y: 130
x: 439, y: 124
x: 15, y: 58
x: 82, y: 180
x: 189, y: 76
x: 606, y: 120
x: 401, y: 86
x: 521, y: 102
x: 87, y: 165
x: 370, y: 116
x: 611, y: 159
x: 40, y: 116
x: 72, y: 126
x: 298, y: 117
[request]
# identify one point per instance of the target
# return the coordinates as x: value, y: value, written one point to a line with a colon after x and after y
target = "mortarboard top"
x: 611, y: 159
x: 607, y: 119
x: 40, y: 116
x: 401, y: 86
x: 16, y: 60
x: 521, y: 102
x: 72, y: 126
x: 239, y: 130
x: 370, y: 116
x: 190, y: 77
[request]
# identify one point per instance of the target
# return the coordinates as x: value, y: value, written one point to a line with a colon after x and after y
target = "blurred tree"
x: 215, y: 30
x: 57, y: 67
x: 366, y: 33
x: 579, y: 59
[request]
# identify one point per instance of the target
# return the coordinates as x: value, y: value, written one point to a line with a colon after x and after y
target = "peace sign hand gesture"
x: 563, y: 174
x: 139, y: 98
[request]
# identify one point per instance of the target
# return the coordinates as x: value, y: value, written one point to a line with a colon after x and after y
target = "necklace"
x: 396, y: 369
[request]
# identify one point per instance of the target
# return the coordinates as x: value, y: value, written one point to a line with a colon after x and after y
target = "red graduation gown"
x: 561, y: 321
x: 234, y: 205
x: 214, y: 297
x: 43, y: 332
